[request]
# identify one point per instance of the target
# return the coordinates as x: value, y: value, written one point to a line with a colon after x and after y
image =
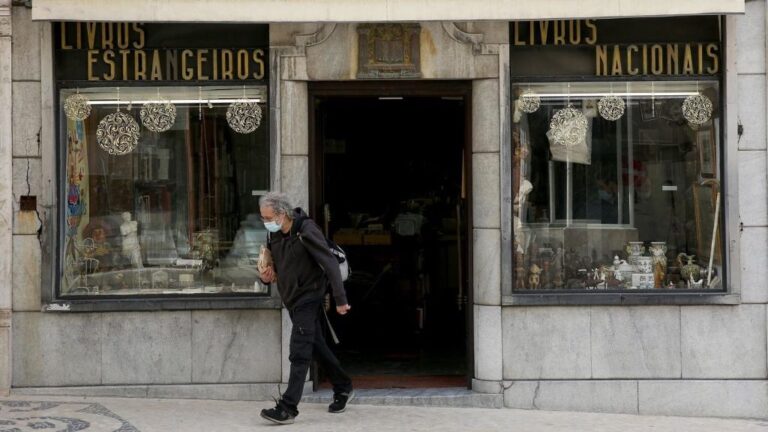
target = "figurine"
x: 635, y: 250
x: 659, y: 254
x: 546, y: 282
x: 658, y: 276
x: 131, y: 247
x: 519, y: 270
x: 689, y: 268
x: 695, y: 284
x: 533, y: 278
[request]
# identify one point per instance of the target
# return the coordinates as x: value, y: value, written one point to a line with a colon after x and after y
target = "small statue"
x: 131, y: 248
x: 534, y: 280
x: 546, y: 280
x: 695, y: 284
x: 688, y: 266
x: 658, y: 275
x: 519, y: 270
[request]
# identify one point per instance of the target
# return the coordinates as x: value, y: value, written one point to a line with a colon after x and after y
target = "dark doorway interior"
x: 392, y: 173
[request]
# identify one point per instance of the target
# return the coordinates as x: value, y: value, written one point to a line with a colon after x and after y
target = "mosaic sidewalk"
x: 24, y: 416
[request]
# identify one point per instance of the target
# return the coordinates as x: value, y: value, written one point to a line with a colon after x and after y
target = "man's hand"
x: 267, y: 274
x: 343, y: 309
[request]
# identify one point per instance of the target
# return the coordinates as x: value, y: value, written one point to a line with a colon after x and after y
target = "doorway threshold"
x: 456, y: 397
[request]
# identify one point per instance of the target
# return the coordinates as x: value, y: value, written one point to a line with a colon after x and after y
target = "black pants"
x: 308, y: 339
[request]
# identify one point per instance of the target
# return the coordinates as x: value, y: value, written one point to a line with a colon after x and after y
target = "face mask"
x: 272, y: 226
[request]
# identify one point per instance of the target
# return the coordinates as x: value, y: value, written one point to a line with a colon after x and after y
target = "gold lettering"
x: 107, y: 36
x: 701, y: 59
x: 172, y: 64
x: 123, y: 35
x: 242, y: 64
x: 202, y: 57
x: 226, y: 65
x: 616, y: 69
x: 109, y: 58
x: 139, y: 44
x: 90, y: 29
x: 657, y: 59
x: 575, y: 29
x: 124, y: 53
x: 601, y: 60
x: 592, y: 39
x: 518, y: 42
x: 688, y: 60
x: 559, y: 38
x: 79, y: 32
x: 157, y: 71
x: 532, y: 32
x: 140, y: 65
x: 645, y: 59
x: 215, y: 68
x: 673, y: 65
x: 258, y: 57
x: 64, y: 45
x: 92, y: 59
x: 631, y: 70
x: 544, y: 31
x: 187, y: 73
x: 712, y: 53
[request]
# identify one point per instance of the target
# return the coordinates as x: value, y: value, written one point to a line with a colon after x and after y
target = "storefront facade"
x: 553, y: 321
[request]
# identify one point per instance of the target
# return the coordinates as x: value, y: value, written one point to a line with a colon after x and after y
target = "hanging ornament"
x: 611, y: 107
x: 697, y: 109
x: 158, y: 116
x: 244, y: 116
x: 529, y: 101
x: 76, y: 107
x: 118, y: 133
x: 569, y: 127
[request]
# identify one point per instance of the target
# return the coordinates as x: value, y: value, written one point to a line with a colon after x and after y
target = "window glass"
x: 176, y: 214
x: 625, y: 204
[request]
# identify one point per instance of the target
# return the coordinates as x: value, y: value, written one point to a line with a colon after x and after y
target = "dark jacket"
x: 304, y: 266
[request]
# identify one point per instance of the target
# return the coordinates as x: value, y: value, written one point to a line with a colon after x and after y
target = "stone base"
x: 438, y: 397
x: 241, y: 392
x: 694, y: 398
x: 487, y: 387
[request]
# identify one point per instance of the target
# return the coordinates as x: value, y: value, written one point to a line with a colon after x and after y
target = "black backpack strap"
x: 297, y: 223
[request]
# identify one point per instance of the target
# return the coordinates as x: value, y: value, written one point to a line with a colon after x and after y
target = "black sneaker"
x: 340, y: 401
x: 278, y: 415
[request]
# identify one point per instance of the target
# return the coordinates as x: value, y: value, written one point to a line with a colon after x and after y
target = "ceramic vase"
x: 635, y: 249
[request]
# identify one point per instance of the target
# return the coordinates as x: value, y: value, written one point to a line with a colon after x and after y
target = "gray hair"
x: 278, y: 201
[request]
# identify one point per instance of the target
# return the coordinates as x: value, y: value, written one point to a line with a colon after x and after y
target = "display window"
x: 616, y: 203
x: 163, y: 212
x: 616, y: 157
x: 163, y: 153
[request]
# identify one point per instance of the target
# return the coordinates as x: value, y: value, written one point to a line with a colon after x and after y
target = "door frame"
x: 415, y: 88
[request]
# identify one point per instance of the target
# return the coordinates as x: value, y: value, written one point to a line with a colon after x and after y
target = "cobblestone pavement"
x: 36, y: 414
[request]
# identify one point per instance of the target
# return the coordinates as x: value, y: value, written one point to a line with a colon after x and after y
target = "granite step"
x: 439, y: 397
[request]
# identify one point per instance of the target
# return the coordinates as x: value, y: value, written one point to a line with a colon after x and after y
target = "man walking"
x: 304, y: 265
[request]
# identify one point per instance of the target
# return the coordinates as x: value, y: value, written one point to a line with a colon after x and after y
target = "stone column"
x: 486, y: 232
x: 6, y: 196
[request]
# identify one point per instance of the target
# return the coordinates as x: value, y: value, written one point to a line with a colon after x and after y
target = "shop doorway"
x: 389, y: 182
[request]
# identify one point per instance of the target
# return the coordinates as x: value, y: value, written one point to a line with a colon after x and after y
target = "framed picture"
x: 705, y: 142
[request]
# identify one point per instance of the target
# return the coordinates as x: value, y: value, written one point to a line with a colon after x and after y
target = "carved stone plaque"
x: 389, y: 51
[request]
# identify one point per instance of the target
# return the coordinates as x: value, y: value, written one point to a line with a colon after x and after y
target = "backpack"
x: 335, y: 249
